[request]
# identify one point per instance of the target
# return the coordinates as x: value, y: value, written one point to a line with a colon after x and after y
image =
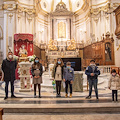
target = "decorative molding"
x: 29, y: 19
x: 61, y: 10
x: 9, y: 7
x: 106, y: 8
x: 19, y: 17
x: 10, y: 16
x: 27, y: 10
x: 107, y: 17
x: 96, y: 19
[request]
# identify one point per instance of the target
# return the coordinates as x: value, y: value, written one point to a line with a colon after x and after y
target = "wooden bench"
x: 1, y: 113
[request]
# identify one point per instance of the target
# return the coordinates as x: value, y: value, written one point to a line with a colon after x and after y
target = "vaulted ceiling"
x: 72, y: 5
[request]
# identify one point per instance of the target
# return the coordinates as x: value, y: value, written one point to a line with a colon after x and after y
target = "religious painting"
x: 108, y: 56
x: 61, y: 30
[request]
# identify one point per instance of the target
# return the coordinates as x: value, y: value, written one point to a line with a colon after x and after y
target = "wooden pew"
x: 1, y: 113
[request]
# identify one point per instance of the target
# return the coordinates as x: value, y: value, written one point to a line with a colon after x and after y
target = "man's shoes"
x: 5, y: 98
x: 39, y: 96
x: 66, y: 95
x: 88, y: 97
x: 34, y: 96
x: 13, y: 96
x: 70, y: 96
x: 59, y: 95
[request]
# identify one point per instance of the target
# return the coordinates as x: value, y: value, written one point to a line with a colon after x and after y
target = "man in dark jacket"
x: 8, y: 66
x: 92, y: 73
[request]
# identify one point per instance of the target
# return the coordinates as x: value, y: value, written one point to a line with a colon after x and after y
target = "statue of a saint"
x: 22, y: 51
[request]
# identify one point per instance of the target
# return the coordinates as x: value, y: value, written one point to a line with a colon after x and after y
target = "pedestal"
x: 25, y: 76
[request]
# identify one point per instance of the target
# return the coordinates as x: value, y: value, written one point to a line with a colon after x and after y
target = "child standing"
x: 68, y: 77
x: 37, y: 72
x: 114, y: 84
x: 57, y: 74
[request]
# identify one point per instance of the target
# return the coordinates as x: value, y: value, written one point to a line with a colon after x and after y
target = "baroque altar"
x: 62, y: 49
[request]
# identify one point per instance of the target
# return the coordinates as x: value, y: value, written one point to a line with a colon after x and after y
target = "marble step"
x: 60, y: 106
x: 63, y: 109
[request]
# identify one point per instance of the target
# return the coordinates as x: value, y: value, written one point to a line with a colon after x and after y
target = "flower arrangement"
x: 31, y: 58
x: 15, y: 57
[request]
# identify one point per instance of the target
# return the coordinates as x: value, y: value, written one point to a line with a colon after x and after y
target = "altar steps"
x: 73, y: 109
x: 59, y: 106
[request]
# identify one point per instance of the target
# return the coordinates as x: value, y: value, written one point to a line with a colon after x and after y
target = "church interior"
x: 73, y: 30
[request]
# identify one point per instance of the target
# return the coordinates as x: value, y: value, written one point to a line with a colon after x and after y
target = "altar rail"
x: 105, y: 69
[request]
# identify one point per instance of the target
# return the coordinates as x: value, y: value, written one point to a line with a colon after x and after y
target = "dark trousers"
x: 66, y: 86
x: 114, y: 92
x: 6, y: 88
x: 93, y: 83
x: 58, y: 87
x: 39, y: 87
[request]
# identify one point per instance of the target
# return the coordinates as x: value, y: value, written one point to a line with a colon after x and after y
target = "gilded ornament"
x: 72, y: 46
x: 27, y: 10
x: 51, y: 46
x: 9, y: 7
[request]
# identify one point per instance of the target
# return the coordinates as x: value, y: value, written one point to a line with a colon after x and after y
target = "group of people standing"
x: 59, y: 73
x: 66, y: 74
